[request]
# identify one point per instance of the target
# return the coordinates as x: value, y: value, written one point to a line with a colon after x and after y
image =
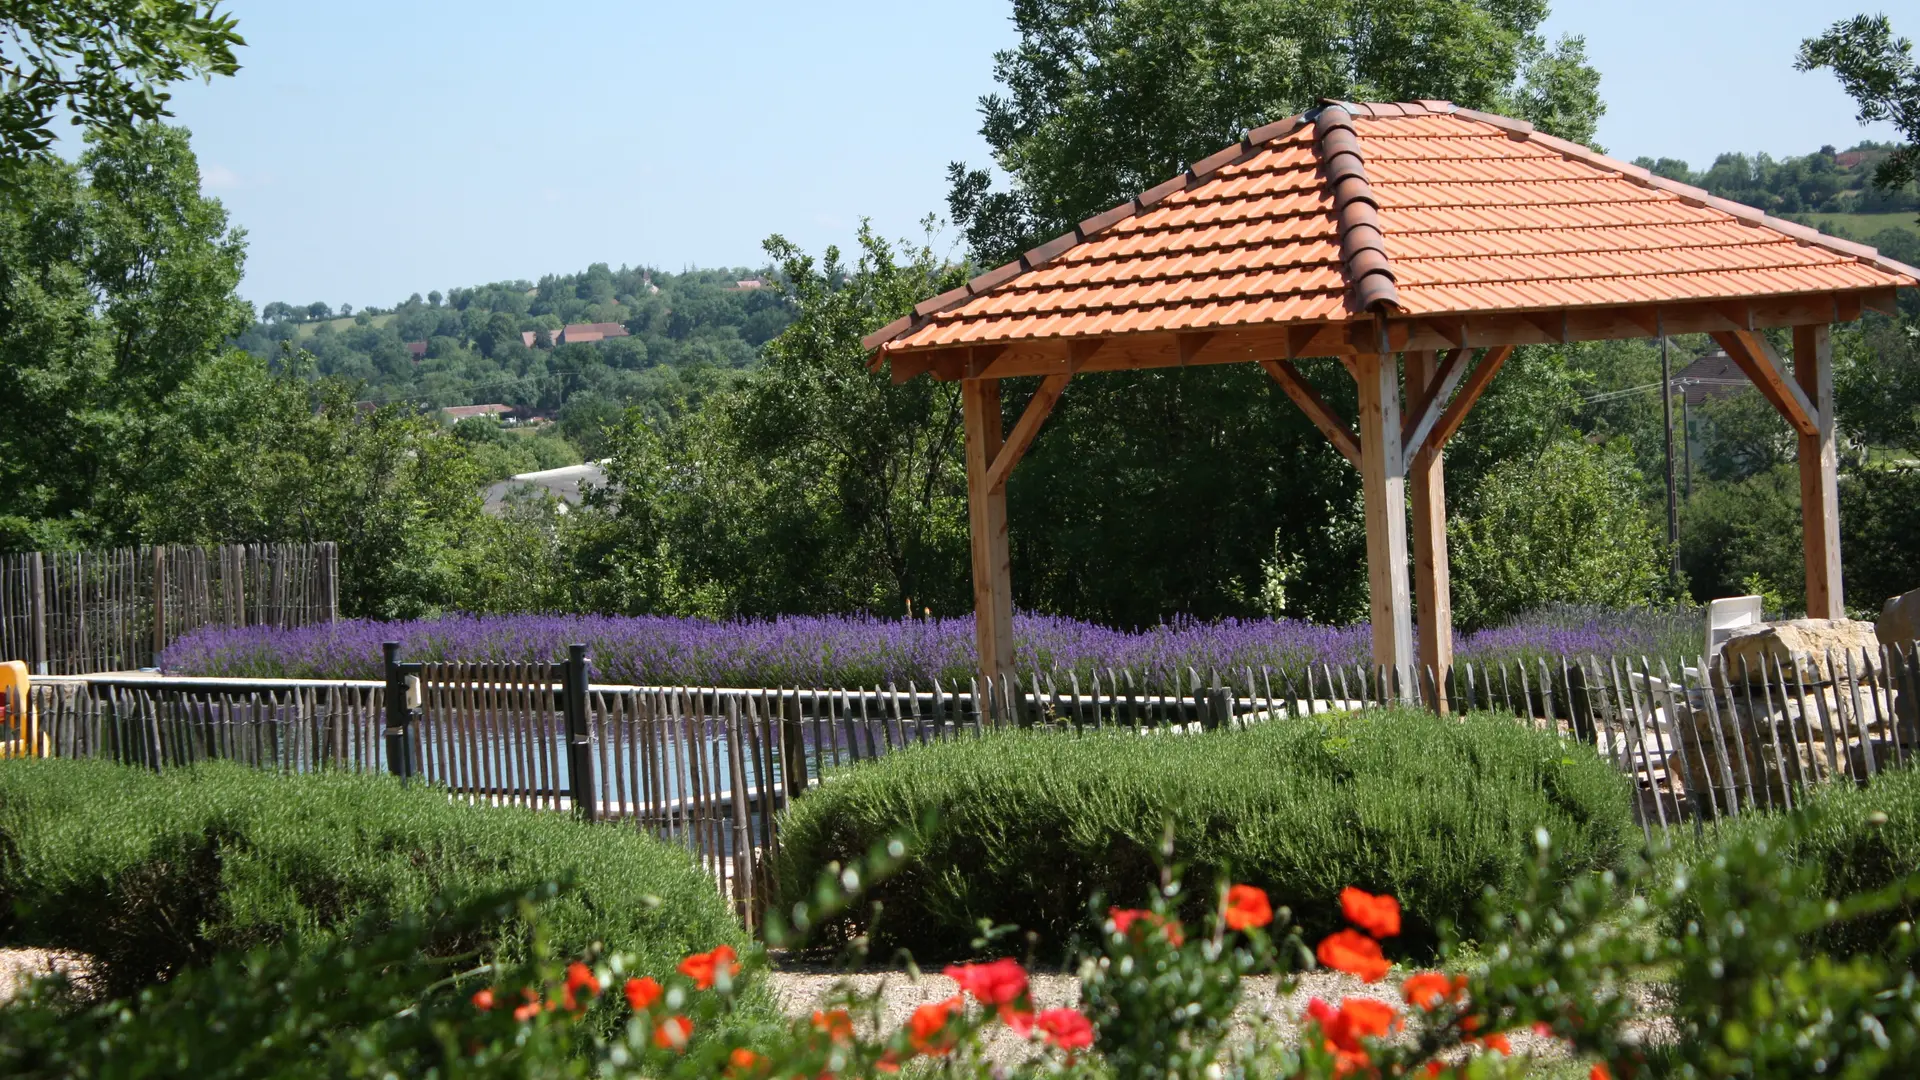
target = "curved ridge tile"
x: 1363, y: 247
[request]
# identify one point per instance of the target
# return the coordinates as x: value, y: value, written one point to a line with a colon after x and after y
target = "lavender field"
x: 830, y: 651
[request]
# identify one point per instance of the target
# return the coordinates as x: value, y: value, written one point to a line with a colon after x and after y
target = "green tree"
x: 1565, y: 526
x: 246, y: 454
x: 815, y: 484
x: 1743, y: 536
x: 104, y: 63
x: 1879, y: 73
x: 117, y: 283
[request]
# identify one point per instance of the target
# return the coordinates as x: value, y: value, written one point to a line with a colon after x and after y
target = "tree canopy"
x: 105, y: 63
x: 1879, y: 73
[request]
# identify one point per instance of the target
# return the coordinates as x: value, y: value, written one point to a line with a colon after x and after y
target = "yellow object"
x: 19, y: 726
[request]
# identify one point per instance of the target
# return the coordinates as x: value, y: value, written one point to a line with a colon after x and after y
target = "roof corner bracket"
x: 1190, y: 344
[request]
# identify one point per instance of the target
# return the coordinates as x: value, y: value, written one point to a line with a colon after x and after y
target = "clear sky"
x: 372, y: 150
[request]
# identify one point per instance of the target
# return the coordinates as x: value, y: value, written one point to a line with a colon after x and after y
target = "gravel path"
x: 19, y: 966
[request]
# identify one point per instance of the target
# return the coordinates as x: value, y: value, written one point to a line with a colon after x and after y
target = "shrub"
x: 149, y: 873
x: 1852, y: 841
x: 1565, y: 527
x: 1022, y: 826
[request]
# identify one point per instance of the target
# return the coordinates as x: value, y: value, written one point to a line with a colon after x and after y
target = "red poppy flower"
x: 579, y: 977
x: 700, y: 967
x: 999, y: 982
x: 1066, y: 1028
x: 1355, y: 954
x: 927, y: 1028
x: 1427, y: 990
x: 483, y: 1000
x: 836, y: 1024
x: 673, y: 1033
x: 742, y: 1061
x: 1377, y: 915
x: 1124, y: 918
x: 1497, y: 1041
x: 527, y: 1012
x: 1020, y: 1020
x: 642, y: 992
x: 1247, y: 906
x: 1356, y: 1018
x: 1599, y: 1072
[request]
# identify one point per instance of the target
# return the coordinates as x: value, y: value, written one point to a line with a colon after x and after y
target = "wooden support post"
x: 159, y: 602
x: 987, y: 524
x: 1384, y: 481
x: 37, y: 605
x: 580, y: 778
x: 1432, y: 579
x: 1819, y: 464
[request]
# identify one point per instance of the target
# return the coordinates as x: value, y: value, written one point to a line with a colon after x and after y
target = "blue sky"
x: 372, y: 150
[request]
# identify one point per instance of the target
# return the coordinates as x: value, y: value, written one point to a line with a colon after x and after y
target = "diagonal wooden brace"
x: 1316, y: 408
x: 1454, y: 414
x: 1024, y: 431
x: 1427, y: 403
x: 1768, y: 373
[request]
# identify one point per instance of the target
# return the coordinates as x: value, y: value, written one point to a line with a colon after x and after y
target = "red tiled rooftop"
x: 1474, y: 214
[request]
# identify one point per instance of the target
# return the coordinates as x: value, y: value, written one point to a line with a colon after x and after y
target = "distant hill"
x: 1831, y: 190
x: 691, y: 332
x: 686, y: 333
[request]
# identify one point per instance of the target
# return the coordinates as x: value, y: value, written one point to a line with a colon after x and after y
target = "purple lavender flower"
x: 858, y: 650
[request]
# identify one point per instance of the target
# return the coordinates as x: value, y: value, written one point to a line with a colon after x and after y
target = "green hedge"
x: 148, y: 872
x: 1861, y: 839
x: 1021, y: 827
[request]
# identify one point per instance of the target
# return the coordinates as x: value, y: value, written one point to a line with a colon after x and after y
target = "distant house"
x: 580, y: 333
x: 1714, y: 375
x: 457, y: 413
x: 748, y: 285
x: 562, y: 484
x: 417, y: 349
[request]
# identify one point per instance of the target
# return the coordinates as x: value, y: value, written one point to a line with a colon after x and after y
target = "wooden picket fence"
x: 75, y: 612
x: 712, y: 768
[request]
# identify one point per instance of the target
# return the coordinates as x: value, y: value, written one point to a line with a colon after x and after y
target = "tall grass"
x: 1022, y: 827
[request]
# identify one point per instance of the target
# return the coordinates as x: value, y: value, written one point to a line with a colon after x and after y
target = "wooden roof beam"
x: 1133, y: 352
x: 1763, y: 366
x: 1316, y: 408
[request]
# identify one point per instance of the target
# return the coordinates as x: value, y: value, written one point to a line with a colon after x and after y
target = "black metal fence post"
x: 579, y: 742
x: 399, y: 744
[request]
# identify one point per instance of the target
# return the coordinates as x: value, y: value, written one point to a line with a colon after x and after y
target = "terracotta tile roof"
x: 1415, y: 209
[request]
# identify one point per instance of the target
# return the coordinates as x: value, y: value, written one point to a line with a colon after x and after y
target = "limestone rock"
x: 1899, y: 622
x: 1762, y: 644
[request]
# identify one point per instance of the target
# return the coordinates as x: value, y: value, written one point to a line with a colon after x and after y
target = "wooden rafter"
x: 1316, y: 408
x: 1425, y: 404
x: 1757, y: 358
x: 1456, y: 411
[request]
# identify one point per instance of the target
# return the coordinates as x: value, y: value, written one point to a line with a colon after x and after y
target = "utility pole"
x: 1673, y: 505
x: 1686, y: 441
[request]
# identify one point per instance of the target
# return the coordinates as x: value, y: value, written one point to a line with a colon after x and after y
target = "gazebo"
x: 1361, y: 231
